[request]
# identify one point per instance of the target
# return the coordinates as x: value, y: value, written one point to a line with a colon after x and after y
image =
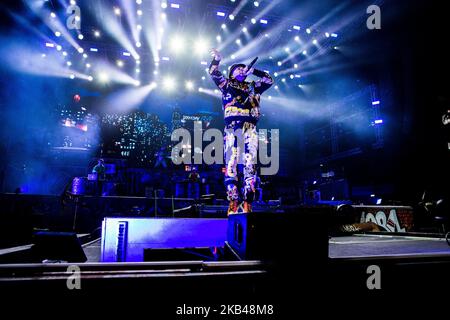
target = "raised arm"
x: 214, y: 71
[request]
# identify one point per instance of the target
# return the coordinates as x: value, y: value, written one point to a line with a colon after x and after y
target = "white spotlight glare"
x: 137, y: 83
x: 297, y: 38
x: 138, y: 44
x: 139, y: 27
x: 233, y: 56
x: 314, y: 41
x: 103, y: 77
x: 287, y: 49
x: 139, y: 1
x: 203, y: 78
x: 169, y: 84
x: 117, y: 11
x: 223, y: 26
x: 80, y: 50
x: 119, y: 63
x: 80, y: 36
x: 308, y: 30
x: 238, y: 41
x: 296, y: 66
x: 244, y: 29
x: 276, y: 87
x: 164, y: 5
x: 58, y: 47
x: 253, y: 20
x: 85, y: 55
x: 275, y: 74
x: 256, y: 3
x: 138, y: 70
x: 65, y: 54
x: 327, y: 34
x: 219, y: 38
x: 96, y: 33
x: 291, y: 76
x: 176, y: 44
x: 73, y: 2
x: 53, y: 15
x: 283, y: 80
x: 231, y: 17
x: 139, y: 12
x: 305, y: 52
x: 189, y: 85
x: 72, y: 76
x: 88, y: 65
x: 90, y: 78
x: 279, y: 63
x: 57, y: 33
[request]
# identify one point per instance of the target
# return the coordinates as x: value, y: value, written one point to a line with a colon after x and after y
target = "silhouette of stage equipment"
x: 57, y: 246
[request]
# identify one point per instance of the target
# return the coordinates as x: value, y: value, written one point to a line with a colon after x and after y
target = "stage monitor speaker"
x: 57, y: 246
x: 281, y: 237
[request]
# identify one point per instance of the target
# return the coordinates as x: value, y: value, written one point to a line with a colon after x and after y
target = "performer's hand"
x: 216, y: 54
x: 248, y: 72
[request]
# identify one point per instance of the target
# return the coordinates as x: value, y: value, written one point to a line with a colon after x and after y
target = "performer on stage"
x: 240, y: 101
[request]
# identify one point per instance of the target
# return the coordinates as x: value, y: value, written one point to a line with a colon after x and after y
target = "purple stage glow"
x: 124, y: 239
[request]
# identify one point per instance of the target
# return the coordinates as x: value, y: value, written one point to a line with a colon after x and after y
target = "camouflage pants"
x: 240, y: 151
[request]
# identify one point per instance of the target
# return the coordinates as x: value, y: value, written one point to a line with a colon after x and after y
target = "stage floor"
x: 359, y: 246
x: 355, y: 246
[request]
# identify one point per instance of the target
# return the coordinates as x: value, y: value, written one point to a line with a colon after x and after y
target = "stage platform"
x: 366, y: 245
